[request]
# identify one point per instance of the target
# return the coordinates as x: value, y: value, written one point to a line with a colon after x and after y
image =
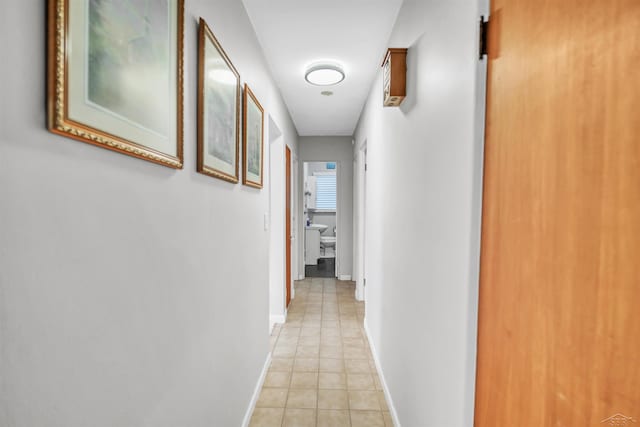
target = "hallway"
x: 322, y: 372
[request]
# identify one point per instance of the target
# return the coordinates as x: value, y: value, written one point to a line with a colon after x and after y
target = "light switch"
x: 266, y: 221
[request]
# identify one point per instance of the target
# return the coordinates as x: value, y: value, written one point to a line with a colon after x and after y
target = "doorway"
x: 320, y: 216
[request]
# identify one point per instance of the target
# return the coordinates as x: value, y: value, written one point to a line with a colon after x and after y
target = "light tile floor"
x: 322, y: 373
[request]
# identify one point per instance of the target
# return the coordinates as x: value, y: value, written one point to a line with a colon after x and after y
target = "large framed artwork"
x: 253, y: 140
x: 115, y: 75
x: 219, y: 97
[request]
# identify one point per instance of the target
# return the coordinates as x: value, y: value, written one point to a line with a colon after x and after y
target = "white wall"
x: 336, y: 149
x: 130, y: 294
x: 423, y: 210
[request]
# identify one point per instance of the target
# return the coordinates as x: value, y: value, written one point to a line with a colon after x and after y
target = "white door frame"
x: 294, y: 240
x: 361, y: 208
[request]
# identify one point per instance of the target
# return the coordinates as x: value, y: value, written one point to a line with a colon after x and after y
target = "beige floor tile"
x: 330, y: 418
x: 351, y: 352
x: 290, y: 331
x: 357, y: 366
x: 293, y: 315
x: 349, y: 324
x: 351, y: 333
x: 302, y: 398
x: 304, y: 380
x: 281, y: 364
x: 307, y: 351
x: 376, y: 382
x: 277, y: 379
x: 306, y: 365
x: 360, y: 382
x: 383, y: 401
x: 272, y: 398
x: 284, y: 351
x: 313, y: 341
x: 333, y: 399
x: 285, y: 341
x: 331, y: 365
x: 330, y: 324
x: 363, y: 400
x: 356, y: 342
x: 309, y: 331
x: 294, y: 323
x: 312, y: 325
x: 330, y: 332
x: 331, y: 340
x: 267, y: 417
x: 322, y: 370
x: 332, y: 380
x: 299, y: 417
x: 367, y: 419
x: 388, y: 421
x: 331, y: 351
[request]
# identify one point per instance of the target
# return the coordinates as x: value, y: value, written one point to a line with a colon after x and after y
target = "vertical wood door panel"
x: 559, y: 315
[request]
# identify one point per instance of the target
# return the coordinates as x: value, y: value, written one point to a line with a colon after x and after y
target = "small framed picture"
x: 253, y: 140
x: 115, y: 75
x: 219, y: 97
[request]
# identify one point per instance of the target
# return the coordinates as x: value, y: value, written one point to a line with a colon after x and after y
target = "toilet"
x: 327, y: 242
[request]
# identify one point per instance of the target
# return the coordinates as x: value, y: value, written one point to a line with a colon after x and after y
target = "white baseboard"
x: 344, y: 277
x: 276, y: 318
x: 256, y: 392
x: 383, y: 382
x: 359, y: 292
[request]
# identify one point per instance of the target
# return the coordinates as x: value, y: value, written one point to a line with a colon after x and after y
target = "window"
x: 325, y: 191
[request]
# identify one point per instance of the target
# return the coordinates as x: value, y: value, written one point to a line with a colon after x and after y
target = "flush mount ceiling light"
x: 324, y: 74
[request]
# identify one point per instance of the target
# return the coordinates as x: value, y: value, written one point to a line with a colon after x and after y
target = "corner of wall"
x: 383, y: 382
x: 256, y: 392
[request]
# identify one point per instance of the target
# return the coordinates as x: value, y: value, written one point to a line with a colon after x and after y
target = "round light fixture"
x: 324, y: 74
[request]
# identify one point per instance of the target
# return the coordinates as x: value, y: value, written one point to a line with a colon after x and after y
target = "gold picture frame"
x: 115, y: 77
x: 252, y: 140
x: 219, y: 97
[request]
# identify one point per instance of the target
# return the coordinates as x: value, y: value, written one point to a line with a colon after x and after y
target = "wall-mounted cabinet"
x: 394, y: 77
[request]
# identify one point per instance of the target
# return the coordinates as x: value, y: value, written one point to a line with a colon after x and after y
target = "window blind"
x: 326, y: 191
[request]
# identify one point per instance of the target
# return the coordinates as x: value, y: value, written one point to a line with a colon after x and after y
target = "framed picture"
x: 115, y: 75
x: 253, y: 140
x: 219, y: 96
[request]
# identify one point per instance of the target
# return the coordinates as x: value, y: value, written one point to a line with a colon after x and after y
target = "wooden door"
x: 559, y: 315
x: 287, y: 237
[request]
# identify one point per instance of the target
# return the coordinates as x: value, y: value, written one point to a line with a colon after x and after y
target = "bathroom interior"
x: 320, y: 212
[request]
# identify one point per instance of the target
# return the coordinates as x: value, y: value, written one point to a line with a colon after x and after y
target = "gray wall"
x: 336, y: 149
x: 130, y: 294
x: 423, y: 213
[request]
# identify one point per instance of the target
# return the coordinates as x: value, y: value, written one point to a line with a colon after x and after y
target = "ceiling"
x: 297, y: 33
